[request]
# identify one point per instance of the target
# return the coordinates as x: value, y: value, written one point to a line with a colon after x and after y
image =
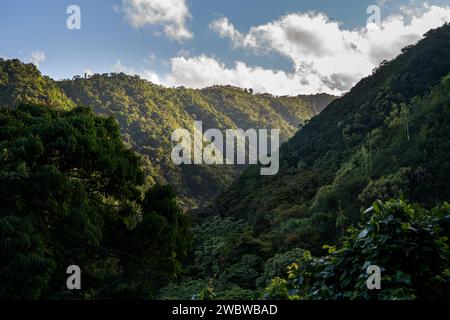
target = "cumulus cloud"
x: 36, y: 58
x: 324, y: 55
x: 203, y: 71
x: 171, y: 14
x: 226, y: 30
x: 145, y: 74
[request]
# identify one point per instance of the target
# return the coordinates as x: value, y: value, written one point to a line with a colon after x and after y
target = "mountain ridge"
x: 327, y: 166
x: 148, y: 114
x: 355, y: 184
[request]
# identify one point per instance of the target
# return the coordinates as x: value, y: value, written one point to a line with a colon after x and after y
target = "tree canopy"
x: 70, y: 195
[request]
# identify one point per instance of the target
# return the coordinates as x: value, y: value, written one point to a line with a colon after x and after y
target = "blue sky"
x: 111, y: 39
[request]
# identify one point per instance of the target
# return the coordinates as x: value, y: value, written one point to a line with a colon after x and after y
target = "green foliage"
x: 408, y: 243
x: 277, y: 290
x: 184, y: 291
x: 69, y: 193
x: 234, y: 292
x: 386, y: 138
x: 277, y: 265
x: 72, y: 193
x: 226, y: 256
x: 148, y: 114
x: 206, y: 293
x: 23, y: 83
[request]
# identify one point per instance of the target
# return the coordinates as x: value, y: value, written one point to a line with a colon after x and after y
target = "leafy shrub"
x: 407, y: 242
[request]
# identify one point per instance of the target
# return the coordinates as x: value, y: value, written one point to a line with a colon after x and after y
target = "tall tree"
x: 69, y: 192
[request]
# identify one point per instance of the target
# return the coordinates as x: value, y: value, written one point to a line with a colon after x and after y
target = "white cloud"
x: 204, y: 71
x: 226, y: 30
x: 146, y: 74
x: 36, y: 57
x: 324, y: 55
x: 172, y: 14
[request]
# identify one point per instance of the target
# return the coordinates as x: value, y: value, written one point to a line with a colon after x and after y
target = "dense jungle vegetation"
x: 84, y: 180
x: 148, y: 114
x: 389, y: 137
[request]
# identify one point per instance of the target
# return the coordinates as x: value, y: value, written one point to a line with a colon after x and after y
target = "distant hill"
x: 23, y: 83
x: 149, y: 113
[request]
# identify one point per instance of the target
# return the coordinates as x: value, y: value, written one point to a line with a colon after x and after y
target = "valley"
x: 86, y: 175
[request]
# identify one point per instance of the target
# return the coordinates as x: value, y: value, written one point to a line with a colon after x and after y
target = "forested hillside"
x: 23, y: 83
x: 148, y: 114
x: 73, y: 192
x: 387, y: 138
x: 363, y: 183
